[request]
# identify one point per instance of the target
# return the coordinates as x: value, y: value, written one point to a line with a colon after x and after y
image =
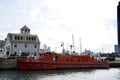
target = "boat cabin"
x: 64, y: 58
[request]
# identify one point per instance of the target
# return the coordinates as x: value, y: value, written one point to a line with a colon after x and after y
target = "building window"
x: 21, y: 38
x: 35, y: 38
x: 25, y: 45
x: 15, y: 37
x: 15, y: 45
x: 15, y: 53
x: 35, y: 46
x: 34, y: 53
x: 18, y: 37
x: 24, y: 38
x: 27, y: 38
x: 0, y: 50
x: 28, y: 53
x: 7, y: 53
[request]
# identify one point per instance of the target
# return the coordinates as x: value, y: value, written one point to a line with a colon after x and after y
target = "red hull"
x: 62, y: 62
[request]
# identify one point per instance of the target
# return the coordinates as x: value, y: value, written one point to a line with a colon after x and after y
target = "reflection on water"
x: 69, y: 74
x: 8, y: 74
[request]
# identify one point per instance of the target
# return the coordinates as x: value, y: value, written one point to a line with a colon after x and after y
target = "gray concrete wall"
x: 8, y: 64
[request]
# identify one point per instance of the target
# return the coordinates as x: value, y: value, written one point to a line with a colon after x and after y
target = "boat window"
x: 56, y: 58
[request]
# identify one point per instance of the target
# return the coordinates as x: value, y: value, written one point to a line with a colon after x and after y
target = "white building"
x: 2, y: 49
x: 22, y: 43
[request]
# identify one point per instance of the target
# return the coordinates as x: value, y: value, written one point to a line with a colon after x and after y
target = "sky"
x: 55, y: 21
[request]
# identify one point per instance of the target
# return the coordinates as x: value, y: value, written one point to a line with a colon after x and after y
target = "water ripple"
x: 71, y: 74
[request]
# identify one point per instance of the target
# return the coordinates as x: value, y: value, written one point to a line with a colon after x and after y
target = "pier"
x: 114, y: 64
x: 8, y: 63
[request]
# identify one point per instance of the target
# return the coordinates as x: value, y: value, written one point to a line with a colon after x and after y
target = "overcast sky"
x: 55, y: 21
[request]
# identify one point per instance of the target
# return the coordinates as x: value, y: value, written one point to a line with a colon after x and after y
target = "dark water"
x: 71, y: 74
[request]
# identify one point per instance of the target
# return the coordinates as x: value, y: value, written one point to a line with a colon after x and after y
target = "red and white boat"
x: 60, y: 61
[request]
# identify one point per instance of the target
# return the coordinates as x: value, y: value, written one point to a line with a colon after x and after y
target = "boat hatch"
x: 55, y: 58
x: 42, y: 55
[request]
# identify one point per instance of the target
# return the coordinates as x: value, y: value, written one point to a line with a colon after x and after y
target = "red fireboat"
x: 51, y: 60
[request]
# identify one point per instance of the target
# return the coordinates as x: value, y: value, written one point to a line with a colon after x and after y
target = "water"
x: 71, y: 74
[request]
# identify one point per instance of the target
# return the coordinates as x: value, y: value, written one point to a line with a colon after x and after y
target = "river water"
x: 69, y: 74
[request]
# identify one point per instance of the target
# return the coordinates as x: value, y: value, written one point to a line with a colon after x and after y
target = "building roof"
x: 2, y: 43
x: 10, y: 37
x: 24, y: 28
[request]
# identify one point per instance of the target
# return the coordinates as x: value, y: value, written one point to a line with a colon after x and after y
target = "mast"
x: 62, y: 44
x: 73, y: 43
x: 80, y: 46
